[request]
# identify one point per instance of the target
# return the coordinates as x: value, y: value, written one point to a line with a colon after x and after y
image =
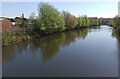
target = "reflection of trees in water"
x: 94, y: 29
x: 116, y: 34
x: 49, y: 45
x: 71, y: 36
x: 82, y: 33
x: 9, y: 52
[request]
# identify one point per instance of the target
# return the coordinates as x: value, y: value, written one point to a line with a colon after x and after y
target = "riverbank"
x: 15, y: 35
x: 18, y: 34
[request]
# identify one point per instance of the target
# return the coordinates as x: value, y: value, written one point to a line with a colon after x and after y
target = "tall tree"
x: 49, y: 19
x: 70, y: 20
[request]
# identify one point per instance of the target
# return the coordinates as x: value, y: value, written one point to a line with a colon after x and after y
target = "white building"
x: 2, y: 18
x: 13, y: 23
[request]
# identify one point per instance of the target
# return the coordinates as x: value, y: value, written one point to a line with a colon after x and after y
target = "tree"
x: 111, y: 22
x: 100, y: 21
x: 80, y: 22
x: 18, y: 21
x: 70, y: 20
x: 83, y: 21
x: 86, y: 21
x: 31, y: 19
x: 21, y: 21
x: 117, y: 21
x: 49, y: 19
x: 94, y: 22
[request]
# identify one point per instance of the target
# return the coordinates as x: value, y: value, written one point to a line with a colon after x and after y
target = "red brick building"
x: 6, y: 24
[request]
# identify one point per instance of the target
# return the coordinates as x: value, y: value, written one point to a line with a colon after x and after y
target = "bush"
x: 14, y: 36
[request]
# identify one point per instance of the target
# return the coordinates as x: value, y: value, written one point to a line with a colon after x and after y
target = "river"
x: 90, y: 52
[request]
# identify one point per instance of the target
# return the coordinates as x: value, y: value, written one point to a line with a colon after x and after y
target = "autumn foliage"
x: 70, y: 20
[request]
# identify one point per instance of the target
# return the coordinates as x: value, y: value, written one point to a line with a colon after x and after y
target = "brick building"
x: 5, y: 24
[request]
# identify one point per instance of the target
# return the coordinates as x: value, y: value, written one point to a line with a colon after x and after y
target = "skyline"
x: 91, y: 9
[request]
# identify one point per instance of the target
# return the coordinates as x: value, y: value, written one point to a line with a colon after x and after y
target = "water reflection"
x: 116, y: 34
x: 9, y: 52
x: 71, y: 36
x: 49, y: 45
x: 71, y: 53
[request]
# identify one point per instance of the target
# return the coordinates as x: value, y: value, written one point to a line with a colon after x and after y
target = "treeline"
x: 49, y: 20
x: 114, y: 22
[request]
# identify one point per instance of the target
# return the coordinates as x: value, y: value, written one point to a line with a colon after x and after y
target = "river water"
x: 90, y: 52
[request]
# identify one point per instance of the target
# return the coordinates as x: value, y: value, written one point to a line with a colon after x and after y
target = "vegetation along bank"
x: 48, y: 21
